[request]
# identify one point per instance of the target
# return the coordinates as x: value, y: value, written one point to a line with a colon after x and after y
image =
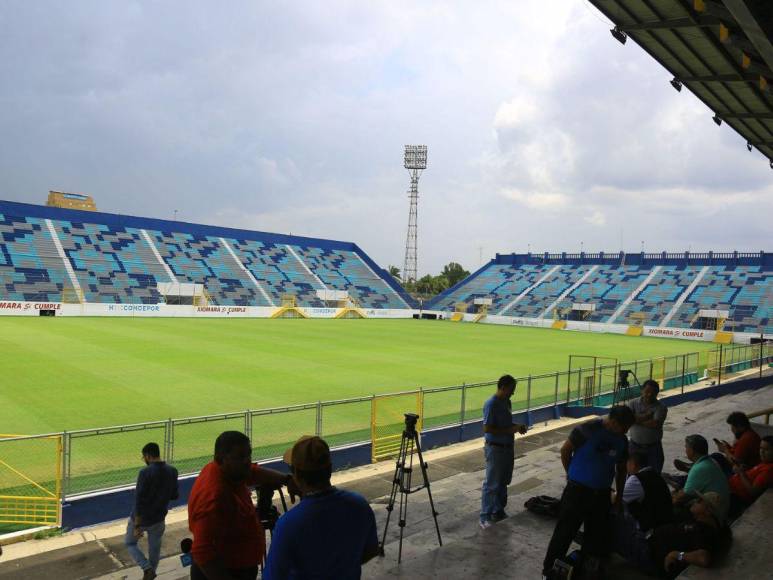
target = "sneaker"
x: 485, y: 524
x: 149, y: 574
x: 499, y: 516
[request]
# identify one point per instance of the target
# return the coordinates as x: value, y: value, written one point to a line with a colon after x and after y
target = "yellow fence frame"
x: 386, y: 425
x: 44, y: 509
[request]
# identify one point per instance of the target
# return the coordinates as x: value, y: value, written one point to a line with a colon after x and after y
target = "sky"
x: 544, y: 133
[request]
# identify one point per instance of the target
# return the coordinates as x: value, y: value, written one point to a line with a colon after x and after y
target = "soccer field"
x: 72, y: 373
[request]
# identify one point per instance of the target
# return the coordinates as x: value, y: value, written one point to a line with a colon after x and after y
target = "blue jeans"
x: 154, y: 534
x: 499, y: 474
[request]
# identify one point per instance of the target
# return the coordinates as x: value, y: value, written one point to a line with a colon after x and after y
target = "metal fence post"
x: 684, y: 378
x: 169, y: 434
x: 762, y: 341
x: 555, y: 394
x: 248, y: 424
x: 66, y: 445
x: 319, y: 419
x: 528, y: 394
x: 719, y: 366
x: 464, y: 404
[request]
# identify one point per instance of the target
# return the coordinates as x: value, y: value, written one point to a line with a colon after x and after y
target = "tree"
x: 453, y: 273
x: 394, y: 271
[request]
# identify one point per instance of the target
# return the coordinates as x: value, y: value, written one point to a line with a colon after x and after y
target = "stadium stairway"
x: 512, y: 547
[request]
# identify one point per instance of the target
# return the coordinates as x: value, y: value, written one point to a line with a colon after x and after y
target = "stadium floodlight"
x: 415, y: 157
x: 748, y: 146
x: 717, y: 119
x: 415, y: 161
x: 619, y: 34
x: 677, y: 84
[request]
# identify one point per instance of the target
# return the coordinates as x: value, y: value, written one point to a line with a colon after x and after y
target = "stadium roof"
x: 721, y: 51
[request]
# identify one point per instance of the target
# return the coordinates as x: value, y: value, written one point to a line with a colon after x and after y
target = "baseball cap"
x: 310, y: 453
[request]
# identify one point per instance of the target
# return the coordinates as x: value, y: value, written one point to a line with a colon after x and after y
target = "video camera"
x: 411, y: 420
x: 267, y: 512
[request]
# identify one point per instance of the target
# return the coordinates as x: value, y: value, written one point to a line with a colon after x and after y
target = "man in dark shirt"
x: 594, y: 454
x: 499, y: 434
x: 156, y: 487
x: 331, y: 533
x: 697, y: 541
x: 648, y: 505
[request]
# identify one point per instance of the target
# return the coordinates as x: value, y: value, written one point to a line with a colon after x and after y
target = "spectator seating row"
x: 661, y: 290
x: 45, y: 252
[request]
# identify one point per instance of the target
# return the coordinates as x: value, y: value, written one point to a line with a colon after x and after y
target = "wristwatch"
x: 680, y: 557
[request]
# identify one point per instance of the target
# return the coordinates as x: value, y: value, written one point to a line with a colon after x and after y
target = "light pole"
x: 415, y: 161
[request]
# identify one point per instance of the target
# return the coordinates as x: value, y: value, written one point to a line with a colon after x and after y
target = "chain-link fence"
x: 100, y: 459
x: 30, y: 480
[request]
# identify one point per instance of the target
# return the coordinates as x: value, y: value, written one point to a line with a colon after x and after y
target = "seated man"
x: 647, y: 504
x: 646, y: 496
x: 746, y: 449
x: 747, y: 485
x: 705, y: 476
x: 331, y: 533
x: 697, y: 541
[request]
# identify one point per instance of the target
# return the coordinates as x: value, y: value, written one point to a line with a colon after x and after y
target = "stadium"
x: 118, y: 329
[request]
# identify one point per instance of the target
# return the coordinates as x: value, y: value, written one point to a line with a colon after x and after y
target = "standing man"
x: 156, y: 487
x: 594, y: 454
x: 228, y: 541
x: 331, y: 533
x: 646, y: 435
x: 499, y: 434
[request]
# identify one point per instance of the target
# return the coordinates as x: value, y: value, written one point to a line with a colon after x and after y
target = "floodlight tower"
x: 415, y: 162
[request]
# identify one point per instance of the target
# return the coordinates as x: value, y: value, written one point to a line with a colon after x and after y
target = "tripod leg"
x: 393, y: 494
x: 426, y: 484
x: 405, y: 490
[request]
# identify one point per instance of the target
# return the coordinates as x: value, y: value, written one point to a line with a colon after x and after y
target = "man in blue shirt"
x: 156, y: 487
x: 330, y: 533
x: 594, y: 454
x: 499, y: 434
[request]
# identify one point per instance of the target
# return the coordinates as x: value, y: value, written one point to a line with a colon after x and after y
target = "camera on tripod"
x: 622, y: 381
x: 411, y: 420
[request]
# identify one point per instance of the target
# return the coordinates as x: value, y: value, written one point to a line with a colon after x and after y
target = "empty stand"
x: 344, y: 270
x: 110, y: 264
x: 30, y: 266
x: 46, y: 252
x: 655, y: 289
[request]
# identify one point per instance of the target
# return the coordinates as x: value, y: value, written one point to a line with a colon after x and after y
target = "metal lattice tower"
x: 415, y: 162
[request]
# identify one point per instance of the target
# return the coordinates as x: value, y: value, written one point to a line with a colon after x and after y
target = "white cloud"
x: 293, y: 118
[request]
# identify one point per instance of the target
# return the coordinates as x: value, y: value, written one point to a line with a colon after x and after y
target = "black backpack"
x: 544, y: 505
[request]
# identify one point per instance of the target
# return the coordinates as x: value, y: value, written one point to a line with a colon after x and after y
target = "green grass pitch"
x: 77, y: 373
x: 74, y: 373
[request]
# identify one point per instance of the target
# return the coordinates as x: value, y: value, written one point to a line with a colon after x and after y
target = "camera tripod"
x: 401, y: 483
x: 623, y: 390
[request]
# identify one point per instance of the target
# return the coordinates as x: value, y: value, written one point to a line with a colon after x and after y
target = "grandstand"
x: 721, y: 292
x: 60, y: 256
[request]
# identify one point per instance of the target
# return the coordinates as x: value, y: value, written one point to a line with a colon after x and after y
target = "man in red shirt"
x: 228, y: 541
x: 748, y: 485
x: 746, y: 449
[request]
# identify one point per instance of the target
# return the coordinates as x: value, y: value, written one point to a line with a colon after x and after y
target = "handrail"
x: 766, y: 412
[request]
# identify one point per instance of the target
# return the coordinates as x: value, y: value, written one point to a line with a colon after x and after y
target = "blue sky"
x: 543, y: 131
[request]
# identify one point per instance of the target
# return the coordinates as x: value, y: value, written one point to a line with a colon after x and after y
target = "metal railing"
x: 101, y: 459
